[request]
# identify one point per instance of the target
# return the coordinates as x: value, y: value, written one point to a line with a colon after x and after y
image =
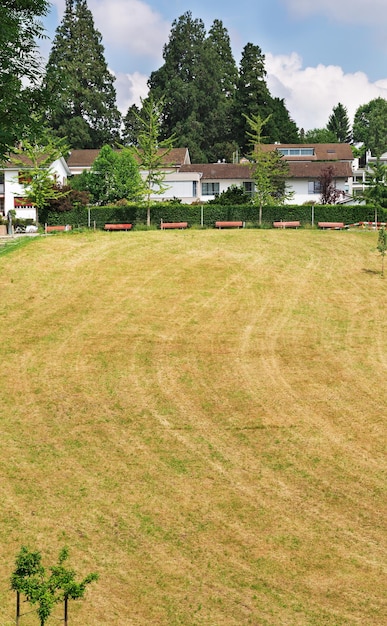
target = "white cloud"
x: 131, y: 26
x: 130, y: 89
x: 311, y: 93
x: 348, y: 11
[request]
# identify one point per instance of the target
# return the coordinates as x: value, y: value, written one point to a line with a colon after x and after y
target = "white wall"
x: 12, y: 188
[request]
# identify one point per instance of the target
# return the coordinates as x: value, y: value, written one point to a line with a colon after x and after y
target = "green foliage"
x: 45, y: 589
x: 253, y: 98
x: 20, y: 69
x: 151, y: 150
x: 132, y: 126
x: 370, y: 126
x: 339, y: 125
x: 232, y: 195
x: 114, y: 176
x: 376, y: 184
x: 197, y: 84
x: 268, y: 170
x: 37, y: 159
x: 136, y: 214
x: 319, y: 135
x: 83, y: 99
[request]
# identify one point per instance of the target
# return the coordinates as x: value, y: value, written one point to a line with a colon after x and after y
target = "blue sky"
x: 318, y: 52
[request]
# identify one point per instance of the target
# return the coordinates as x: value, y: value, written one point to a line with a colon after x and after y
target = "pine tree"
x: 253, y: 98
x: 339, y: 125
x: 84, y: 99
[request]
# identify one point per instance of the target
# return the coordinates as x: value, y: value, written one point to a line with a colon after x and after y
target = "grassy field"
x: 200, y: 417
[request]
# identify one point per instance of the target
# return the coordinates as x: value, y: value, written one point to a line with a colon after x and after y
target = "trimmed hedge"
x: 349, y: 214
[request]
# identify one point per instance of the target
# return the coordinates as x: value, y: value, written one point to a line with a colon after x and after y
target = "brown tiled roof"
x: 303, y: 169
x: 86, y: 158
x: 82, y: 158
x: 322, y: 151
x: 219, y: 171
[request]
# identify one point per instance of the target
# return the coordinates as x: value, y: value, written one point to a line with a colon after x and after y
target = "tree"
x: 132, y: 126
x: 252, y: 98
x: 382, y: 245
x: 31, y: 579
x: 37, y: 159
x: 82, y: 88
x: 319, y: 135
x: 376, y: 186
x: 268, y: 169
x: 20, y: 69
x: 329, y: 193
x: 339, y: 125
x: 197, y: 84
x: 370, y: 126
x: 152, y: 151
x: 114, y: 176
x: 175, y: 84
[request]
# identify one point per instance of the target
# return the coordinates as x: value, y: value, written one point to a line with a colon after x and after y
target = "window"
x: 194, y: 188
x: 314, y: 186
x: 248, y: 187
x: 210, y: 189
x: 296, y: 151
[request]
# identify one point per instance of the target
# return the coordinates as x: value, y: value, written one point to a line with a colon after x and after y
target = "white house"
x: 306, y: 164
x: 202, y: 182
x: 12, y: 191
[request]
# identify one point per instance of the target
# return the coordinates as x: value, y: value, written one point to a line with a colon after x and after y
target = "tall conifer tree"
x: 84, y: 99
x: 339, y: 125
x: 197, y: 83
x: 253, y: 98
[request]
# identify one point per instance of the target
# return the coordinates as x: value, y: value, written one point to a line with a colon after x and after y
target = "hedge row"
x: 210, y: 213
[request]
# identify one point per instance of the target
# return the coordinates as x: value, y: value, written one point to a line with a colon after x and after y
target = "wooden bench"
x: 229, y: 224
x: 53, y: 229
x: 118, y: 227
x: 181, y: 225
x: 331, y: 225
x: 295, y: 224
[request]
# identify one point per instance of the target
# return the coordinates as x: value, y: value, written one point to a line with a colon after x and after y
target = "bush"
x: 193, y: 213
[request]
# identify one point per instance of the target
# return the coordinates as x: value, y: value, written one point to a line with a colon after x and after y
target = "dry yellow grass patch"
x: 200, y: 417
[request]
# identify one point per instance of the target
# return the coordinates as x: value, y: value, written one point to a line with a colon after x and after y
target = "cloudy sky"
x: 318, y: 52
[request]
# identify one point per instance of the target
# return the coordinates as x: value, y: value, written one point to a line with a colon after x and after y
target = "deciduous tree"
x: 151, y: 150
x: 268, y: 169
x: 44, y: 589
x: 370, y: 126
x: 329, y: 193
x: 114, y: 175
x: 20, y: 69
x: 37, y: 159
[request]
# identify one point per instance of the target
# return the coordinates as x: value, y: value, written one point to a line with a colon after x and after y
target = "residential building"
x: 12, y: 191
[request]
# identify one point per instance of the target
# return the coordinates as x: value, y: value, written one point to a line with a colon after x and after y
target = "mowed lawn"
x: 200, y: 417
